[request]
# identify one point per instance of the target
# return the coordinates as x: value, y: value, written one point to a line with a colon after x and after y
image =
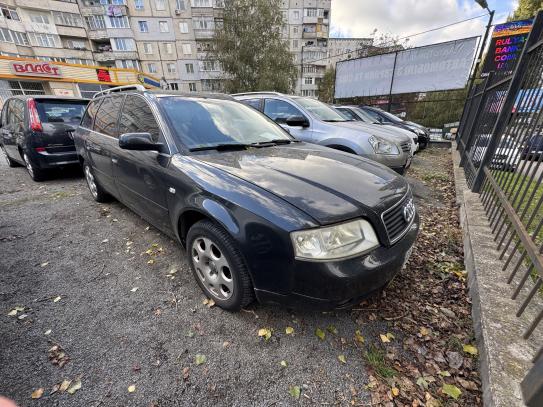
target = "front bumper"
x: 340, y: 284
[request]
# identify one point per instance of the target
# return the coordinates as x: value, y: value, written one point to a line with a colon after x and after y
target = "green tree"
x: 326, y: 86
x: 250, y: 49
x: 527, y: 9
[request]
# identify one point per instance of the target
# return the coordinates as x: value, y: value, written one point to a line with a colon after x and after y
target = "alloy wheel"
x: 212, y: 268
x: 91, y: 182
x: 28, y: 165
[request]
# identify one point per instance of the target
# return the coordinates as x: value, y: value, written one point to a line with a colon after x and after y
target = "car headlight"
x: 381, y: 146
x: 334, y: 242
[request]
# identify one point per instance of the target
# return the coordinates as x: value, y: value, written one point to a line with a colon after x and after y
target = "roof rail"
x: 258, y: 93
x: 120, y: 89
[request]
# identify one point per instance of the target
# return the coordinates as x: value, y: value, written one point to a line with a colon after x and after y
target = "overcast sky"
x: 358, y: 18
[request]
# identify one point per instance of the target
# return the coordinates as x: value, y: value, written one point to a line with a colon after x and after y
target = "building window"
x: 294, y: 30
x: 118, y: 22
x: 123, y: 44
x: 189, y: 68
x: 294, y: 43
x: 310, y: 12
x: 17, y: 37
x: 201, y: 3
x: 160, y: 4
x: 128, y: 64
x: 208, y: 66
x: 69, y: 19
x: 187, y: 49
x: 147, y: 48
x: 308, y: 80
x: 173, y: 86
x: 180, y: 5
x: 192, y: 86
x: 184, y: 28
x: 170, y: 67
x: 45, y: 40
x: 138, y: 4
x: 151, y: 67
x: 169, y: 48
x: 10, y: 13
x: 95, y: 22
x: 76, y: 44
x: 163, y: 26
x: 39, y: 18
x: 211, y: 85
x: 296, y: 14
x: 144, y: 28
x: 203, y: 23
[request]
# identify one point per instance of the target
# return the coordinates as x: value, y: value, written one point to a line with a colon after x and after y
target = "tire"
x: 35, y: 173
x: 9, y: 160
x: 218, y: 266
x: 97, y: 192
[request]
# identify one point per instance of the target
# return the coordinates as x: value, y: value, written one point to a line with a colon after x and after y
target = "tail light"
x: 35, y: 122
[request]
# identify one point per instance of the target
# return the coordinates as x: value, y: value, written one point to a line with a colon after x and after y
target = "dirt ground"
x: 97, y: 297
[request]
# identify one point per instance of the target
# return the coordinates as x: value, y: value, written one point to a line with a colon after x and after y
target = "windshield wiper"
x: 335, y: 120
x: 272, y: 142
x: 221, y: 147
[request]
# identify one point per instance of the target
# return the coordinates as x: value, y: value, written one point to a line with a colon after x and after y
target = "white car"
x: 506, y: 157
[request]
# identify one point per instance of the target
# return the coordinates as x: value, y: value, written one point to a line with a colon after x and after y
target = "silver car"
x: 315, y: 122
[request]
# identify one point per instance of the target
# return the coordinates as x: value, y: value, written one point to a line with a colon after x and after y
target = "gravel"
x: 57, y: 242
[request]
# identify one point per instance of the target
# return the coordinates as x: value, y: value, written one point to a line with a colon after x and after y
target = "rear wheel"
x: 10, y: 162
x: 218, y: 266
x: 97, y: 192
x: 35, y: 173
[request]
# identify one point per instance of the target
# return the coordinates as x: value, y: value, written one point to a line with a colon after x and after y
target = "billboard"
x: 424, y: 69
x: 507, y: 42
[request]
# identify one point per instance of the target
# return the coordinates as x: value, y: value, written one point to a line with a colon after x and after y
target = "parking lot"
x: 119, y: 300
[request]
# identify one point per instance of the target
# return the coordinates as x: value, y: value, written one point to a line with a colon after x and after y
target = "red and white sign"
x: 43, y: 69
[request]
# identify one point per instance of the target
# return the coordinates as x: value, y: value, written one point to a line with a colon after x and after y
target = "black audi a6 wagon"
x: 259, y: 213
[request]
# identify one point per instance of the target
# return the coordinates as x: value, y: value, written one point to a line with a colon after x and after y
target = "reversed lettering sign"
x: 42, y: 69
x: 103, y: 75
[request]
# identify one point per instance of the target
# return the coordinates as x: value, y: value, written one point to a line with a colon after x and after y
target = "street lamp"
x: 483, y: 4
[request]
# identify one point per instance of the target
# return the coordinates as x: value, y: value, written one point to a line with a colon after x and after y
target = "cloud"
x: 400, y: 18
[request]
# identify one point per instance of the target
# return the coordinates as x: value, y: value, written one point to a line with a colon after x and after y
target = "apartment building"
x: 168, y: 39
x: 340, y: 49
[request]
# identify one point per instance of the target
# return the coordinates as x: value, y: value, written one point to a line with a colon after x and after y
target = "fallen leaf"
x: 134, y: 289
x: 189, y: 334
x: 131, y: 388
x: 105, y: 240
x: 151, y: 261
x: 384, y: 338
x: 64, y: 385
x: 265, y: 333
x: 395, y: 392
x: 75, y: 386
x: 451, y: 390
x: 186, y: 372
x: 320, y: 334
x: 342, y: 359
x: 44, y: 264
x: 358, y: 336
x: 48, y: 332
x: 199, y: 359
x: 294, y: 391
x: 424, y: 331
x: 22, y: 316
x: 289, y: 330
x: 12, y: 313
x: 56, y: 299
x: 472, y: 350
x: 225, y: 344
x: 444, y: 373
x: 36, y: 394
x: 421, y: 382
x: 210, y: 303
x: 283, y: 363
x: 332, y: 329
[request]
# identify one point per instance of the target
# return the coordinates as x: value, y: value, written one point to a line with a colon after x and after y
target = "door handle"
x: 114, y: 160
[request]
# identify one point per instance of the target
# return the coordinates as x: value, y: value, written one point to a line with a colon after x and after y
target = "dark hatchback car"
x: 259, y: 213
x: 533, y: 147
x: 36, y: 132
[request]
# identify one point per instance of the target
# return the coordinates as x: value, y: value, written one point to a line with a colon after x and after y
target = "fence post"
x: 509, y: 103
x: 480, y: 105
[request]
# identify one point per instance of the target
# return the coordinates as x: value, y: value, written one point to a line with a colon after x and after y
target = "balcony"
x: 315, y: 20
x: 92, y: 10
x: 315, y: 34
x: 203, y: 34
x: 71, y: 31
x: 114, y: 55
x: 98, y: 35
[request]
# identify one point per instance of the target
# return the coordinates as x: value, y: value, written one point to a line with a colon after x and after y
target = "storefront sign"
x: 103, y: 75
x: 507, y: 43
x: 144, y: 80
x: 43, y: 69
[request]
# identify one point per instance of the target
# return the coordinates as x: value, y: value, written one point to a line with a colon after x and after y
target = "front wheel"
x: 218, y: 266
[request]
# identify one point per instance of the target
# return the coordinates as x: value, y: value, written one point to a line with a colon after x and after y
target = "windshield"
x: 390, y: 116
x: 60, y: 111
x: 364, y: 116
x: 201, y: 123
x: 321, y: 110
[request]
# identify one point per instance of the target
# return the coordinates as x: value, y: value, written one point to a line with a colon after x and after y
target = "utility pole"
x: 302, y: 69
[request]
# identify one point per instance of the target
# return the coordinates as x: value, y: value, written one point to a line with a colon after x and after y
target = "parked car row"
x: 261, y: 212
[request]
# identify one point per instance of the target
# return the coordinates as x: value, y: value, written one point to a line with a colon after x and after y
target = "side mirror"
x: 138, y: 141
x: 297, y: 121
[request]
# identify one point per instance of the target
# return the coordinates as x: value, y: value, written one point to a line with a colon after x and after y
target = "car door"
x: 12, y: 133
x: 280, y: 110
x: 102, y: 142
x: 140, y: 174
x: 5, y: 131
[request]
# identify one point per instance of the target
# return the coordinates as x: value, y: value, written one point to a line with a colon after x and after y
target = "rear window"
x: 60, y: 111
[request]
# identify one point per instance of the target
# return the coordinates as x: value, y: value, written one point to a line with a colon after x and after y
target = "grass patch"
x: 435, y: 176
x: 375, y: 358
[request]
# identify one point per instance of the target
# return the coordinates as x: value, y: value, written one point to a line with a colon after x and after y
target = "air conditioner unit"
x: 177, y: 12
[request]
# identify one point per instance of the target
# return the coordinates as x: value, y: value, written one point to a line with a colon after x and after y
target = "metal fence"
x: 500, y: 139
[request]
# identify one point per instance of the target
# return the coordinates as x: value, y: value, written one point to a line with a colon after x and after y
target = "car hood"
x: 328, y: 185
x: 375, y: 130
